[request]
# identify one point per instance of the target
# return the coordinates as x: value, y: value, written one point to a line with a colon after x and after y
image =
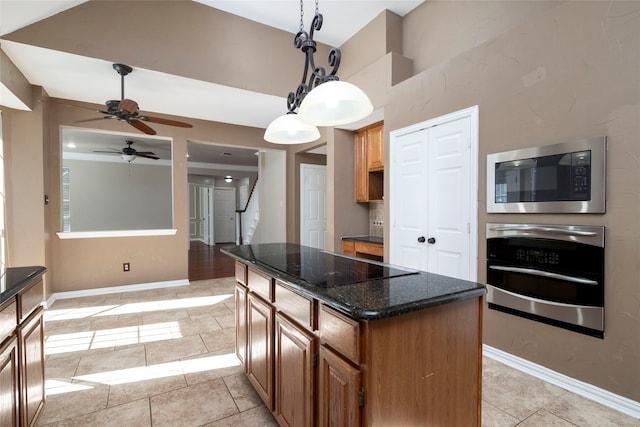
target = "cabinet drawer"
x: 369, y: 248
x: 294, y: 305
x: 241, y: 273
x: 30, y: 299
x: 8, y: 319
x: 339, y: 332
x: 260, y: 284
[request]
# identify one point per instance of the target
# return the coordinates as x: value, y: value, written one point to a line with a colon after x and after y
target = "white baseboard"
x: 599, y: 395
x: 114, y: 290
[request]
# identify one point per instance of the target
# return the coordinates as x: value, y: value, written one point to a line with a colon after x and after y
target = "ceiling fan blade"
x: 141, y: 127
x: 128, y: 105
x: 95, y: 118
x: 108, y: 152
x: 165, y: 121
x: 148, y: 156
x: 146, y: 153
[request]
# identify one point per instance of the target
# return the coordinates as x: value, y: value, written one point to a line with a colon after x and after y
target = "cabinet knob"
x: 431, y: 240
x: 421, y: 239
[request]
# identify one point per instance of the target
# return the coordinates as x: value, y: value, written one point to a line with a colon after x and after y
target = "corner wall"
x: 570, y: 70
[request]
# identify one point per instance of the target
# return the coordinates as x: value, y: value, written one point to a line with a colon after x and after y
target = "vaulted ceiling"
x: 226, y: 61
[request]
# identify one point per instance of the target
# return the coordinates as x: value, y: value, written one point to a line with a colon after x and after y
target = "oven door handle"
x: 546, y: 274
x: 544, y: 230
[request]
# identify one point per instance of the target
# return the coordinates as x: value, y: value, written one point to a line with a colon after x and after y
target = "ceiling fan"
x: 126, y: 110
x: 129, y: 153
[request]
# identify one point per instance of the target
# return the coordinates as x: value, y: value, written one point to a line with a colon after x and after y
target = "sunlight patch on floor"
x: 106, y: 338
x: 162, y: 370
x: 58, y: 387
x: 133, y: 308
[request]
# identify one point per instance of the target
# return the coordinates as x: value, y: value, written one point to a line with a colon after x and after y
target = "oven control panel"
x: 537, y: 256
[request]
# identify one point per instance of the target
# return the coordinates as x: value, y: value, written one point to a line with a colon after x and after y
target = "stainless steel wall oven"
x: 549, y: 273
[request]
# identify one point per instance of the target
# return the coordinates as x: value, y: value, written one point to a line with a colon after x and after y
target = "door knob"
x: 421, y: 239
x: 431, y: 240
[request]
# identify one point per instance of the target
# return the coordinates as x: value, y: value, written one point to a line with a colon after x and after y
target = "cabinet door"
x: 375, y: 147
x: 361, y: 173
x: 339, y: 391
x: 294, y: 395
x: 241, y: 324
x: 31, y: 343
x: 260, y: 347
x: 9, y: 383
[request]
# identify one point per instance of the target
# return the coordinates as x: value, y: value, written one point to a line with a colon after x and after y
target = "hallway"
x: 207, y: 262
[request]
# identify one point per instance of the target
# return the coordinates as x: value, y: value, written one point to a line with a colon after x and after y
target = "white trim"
x: 114, y: 290
x: 599, y: 395
x: 115, y: 233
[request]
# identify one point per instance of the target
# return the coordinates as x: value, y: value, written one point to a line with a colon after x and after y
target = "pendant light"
x: 335, y: 103
x: 289, y: 129
x: 322, y: 99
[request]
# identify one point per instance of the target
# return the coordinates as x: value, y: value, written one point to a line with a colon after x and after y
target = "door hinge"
x: 315, y: 359
x: 361, y: 397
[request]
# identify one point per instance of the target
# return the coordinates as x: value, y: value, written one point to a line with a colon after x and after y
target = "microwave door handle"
x: 545, y: 230
x: 546, y: 274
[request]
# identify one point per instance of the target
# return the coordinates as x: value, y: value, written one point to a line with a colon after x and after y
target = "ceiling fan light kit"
x: 321, y: 99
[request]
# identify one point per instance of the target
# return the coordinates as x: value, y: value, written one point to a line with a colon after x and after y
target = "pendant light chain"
x: 302, y: 16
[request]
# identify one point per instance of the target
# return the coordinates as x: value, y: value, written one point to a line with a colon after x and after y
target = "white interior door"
x: 204, y: 220
x: 433, y: 202
x: 224, y: 215
x: 313, y: 205
x: 193, y: 212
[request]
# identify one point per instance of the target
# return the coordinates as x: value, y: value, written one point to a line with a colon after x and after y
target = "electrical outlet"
x: 126, y: 266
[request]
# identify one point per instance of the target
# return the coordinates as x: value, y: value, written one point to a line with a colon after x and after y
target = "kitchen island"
x: 328, y: 339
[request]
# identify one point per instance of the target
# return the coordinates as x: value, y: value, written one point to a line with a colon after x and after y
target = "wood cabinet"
x: 369, y: 163
x: 366, y: 250
x: 375, y: 147
x: 31, y: 350
x: 315, y: 366
x: 260, y: 347
x: 241, y: 324
x: 9, y: 383
x: 361, y: 173
x: 340, y: 391
x: 295, y: 353
x: 22, y: 391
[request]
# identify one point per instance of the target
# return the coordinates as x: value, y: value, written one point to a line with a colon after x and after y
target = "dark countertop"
x: 400, y: 290
x: 16, y: 279
x: 366, y: 239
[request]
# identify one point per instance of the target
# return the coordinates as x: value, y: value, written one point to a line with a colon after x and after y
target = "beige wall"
x: 564, y: 72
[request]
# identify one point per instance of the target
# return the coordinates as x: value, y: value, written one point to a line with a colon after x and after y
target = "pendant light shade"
x: 335, y: 103
x: 289, y: 129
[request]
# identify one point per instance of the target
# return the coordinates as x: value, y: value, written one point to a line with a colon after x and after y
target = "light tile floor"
x: 165, y: 357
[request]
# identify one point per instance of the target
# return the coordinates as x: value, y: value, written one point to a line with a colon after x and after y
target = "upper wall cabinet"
x: 369, y: 163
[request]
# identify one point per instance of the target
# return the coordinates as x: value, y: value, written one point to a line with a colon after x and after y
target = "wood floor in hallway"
x: 207, y: 262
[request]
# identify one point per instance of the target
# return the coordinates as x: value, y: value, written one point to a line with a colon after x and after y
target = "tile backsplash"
x: 376, y: 219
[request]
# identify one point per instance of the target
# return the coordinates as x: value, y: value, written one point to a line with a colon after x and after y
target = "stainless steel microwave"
x: 560, y: 178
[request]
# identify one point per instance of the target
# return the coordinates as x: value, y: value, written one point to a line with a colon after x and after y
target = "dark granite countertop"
x: 366, y: 239
x: 399, y: 291
x: 16, y: 279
